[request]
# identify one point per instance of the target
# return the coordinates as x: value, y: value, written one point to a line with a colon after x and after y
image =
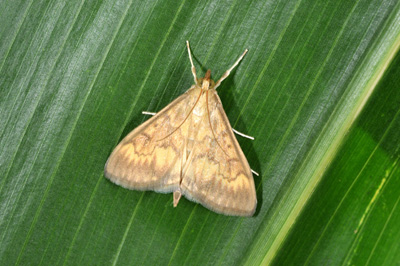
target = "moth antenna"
x: 226, y: 74
x: 191, y: 62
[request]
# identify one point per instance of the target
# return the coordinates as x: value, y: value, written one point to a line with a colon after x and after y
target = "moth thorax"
x: 206, y: 83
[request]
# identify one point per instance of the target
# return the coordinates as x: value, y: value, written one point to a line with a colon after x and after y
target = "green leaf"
x: 318, y: 90
x: 354, y: 211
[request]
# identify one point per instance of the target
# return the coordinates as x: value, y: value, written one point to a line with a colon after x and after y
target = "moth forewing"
x: 142, y: 160
x: 219, y: 176
x: 188, y: 148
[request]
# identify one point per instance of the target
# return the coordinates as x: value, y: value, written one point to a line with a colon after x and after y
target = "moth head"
x: 206, y: 83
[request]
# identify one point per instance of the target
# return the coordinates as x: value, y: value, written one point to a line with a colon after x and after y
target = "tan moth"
x: 188, y: 148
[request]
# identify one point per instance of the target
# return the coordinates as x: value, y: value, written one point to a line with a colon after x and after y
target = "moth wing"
x: 150, y: 157
x: 216, y: 173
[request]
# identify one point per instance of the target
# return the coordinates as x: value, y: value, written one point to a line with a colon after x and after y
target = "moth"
x: 188, y: 148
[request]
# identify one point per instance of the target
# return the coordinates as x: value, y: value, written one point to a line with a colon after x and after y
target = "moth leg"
x: 177, y: 196
x: 148, y: 113
x: 191, y: 62
x: 234, y: 130
x: 226, y: 74
x: 241, y: 134
x: 249, y: 137
x: 254, y: 172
